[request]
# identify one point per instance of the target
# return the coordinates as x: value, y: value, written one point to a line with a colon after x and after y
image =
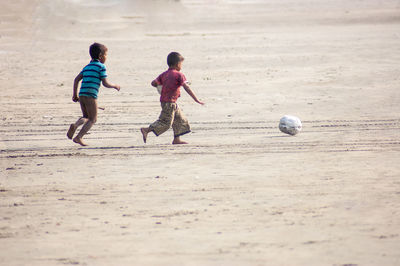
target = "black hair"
x: 174, y: 58
x: 96, y: 49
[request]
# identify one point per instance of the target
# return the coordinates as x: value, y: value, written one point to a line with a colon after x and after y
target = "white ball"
x: 159, y: 88
x: 290, y: 124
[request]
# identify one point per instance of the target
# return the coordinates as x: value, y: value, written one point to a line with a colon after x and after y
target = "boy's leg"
x: 180, y: 126
x: 163, y: 123
x: 90, y: 105
x: 73, y: 127
x: 145, y: 131
x: 79, y: 122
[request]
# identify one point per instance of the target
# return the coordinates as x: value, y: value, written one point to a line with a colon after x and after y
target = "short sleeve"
x: 182, y: 79
x: 159, y: 79
x: 103, y: 72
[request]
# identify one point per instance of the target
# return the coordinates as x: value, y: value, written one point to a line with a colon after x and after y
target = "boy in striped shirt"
x: 92, y: 75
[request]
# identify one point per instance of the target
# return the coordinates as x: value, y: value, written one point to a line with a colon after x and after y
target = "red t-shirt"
x: 171, y: 80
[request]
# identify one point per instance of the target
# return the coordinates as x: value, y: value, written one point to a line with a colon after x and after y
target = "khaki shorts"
x: 171, y: 115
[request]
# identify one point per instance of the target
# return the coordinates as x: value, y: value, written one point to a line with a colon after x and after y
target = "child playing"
x: 171, y: 115
x: 92, y: 75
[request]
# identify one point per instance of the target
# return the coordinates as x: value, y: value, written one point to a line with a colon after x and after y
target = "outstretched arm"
x: 77, y: 79
x: 191, y: 93
x: 110, y: 85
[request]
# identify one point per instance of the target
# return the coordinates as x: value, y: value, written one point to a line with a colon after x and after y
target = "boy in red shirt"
x: 171, y: 115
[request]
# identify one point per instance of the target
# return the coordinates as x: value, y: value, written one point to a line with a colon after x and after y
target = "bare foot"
x: 178, y: 141
x: 79, y: 141
x: 144, y: 133
x: 71, y: 131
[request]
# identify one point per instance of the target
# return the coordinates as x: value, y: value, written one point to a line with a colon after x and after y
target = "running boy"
x: 171, y: 115
x: 92, y: 75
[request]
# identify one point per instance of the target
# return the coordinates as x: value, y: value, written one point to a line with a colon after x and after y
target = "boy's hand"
x: 191, y: 93
x: 75, y: 98
x: 117, y: 87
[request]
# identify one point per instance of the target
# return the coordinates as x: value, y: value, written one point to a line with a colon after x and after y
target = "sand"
x: 241, y: 192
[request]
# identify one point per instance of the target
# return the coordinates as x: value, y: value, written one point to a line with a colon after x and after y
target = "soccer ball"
x: 159, y: 88
x: 290, y: 124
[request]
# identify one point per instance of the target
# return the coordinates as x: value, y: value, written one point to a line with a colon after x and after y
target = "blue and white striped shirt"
x: 93, y: 73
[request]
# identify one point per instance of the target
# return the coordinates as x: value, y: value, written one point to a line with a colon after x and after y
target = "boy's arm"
x: 77, y: 79
x: 154, y: 83
x: 191, y: 93
x: 110, y: 85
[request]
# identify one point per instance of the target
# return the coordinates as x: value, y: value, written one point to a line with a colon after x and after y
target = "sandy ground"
x: 241, y: 193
